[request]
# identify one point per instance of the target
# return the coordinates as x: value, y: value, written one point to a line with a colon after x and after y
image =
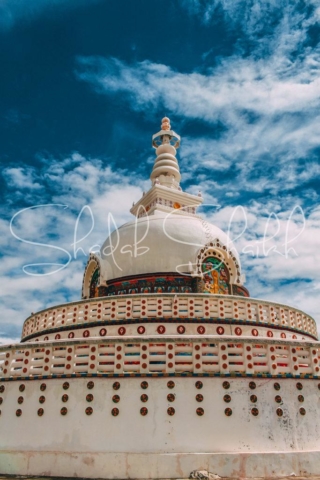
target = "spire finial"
x: 165, y: 125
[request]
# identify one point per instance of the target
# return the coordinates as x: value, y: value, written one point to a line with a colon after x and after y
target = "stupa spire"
x: 166, y: 168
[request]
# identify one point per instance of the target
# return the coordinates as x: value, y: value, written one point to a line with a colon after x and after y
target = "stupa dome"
x: 164, y: 243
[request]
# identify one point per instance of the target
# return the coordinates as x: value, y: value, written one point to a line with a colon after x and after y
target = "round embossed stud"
x: 144, y: 385
x: 199, y: 397
x: 302, y: 411
x: 276, y: 386
x: 143, y: 411
x: 171, y: 411
x: 43, y: 386
x: 253, y: 398
x: 103, y: 332
x: 171, y: 397
x: 301, y: 398
x: 42, y: 399
x: 116, y: 399
x: 144, y: 398
x: 20, y: 400
x: 115, y: 412
x: 116, y: 386
x: 254, y: 411
x: 279, y: 412
x: 40, y: 412
x: 252, y: 385
x: 227, y: 398
x: 278, y: 399
x: 90, y: 385
x: 228, y: 412
x: 89, y: 410
x: 65, y: 398
x: 199, y: 385
x: 226, y: 385
x: 171, y: 384
x: 19, y: 412
x: 89, y: 397
x: 2, y: 388
x: 22, y: 387
x: 299, y: 386
x: 200, y: 411
x: 65, y: 386
x: 64, y: 411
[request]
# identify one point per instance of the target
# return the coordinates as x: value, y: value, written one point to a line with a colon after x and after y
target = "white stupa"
x: 166, y: 366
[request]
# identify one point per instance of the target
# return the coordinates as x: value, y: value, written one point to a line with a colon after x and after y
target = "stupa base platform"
x: 101, y: 465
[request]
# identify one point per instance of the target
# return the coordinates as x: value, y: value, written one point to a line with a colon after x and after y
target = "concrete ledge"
x: 102, y: 465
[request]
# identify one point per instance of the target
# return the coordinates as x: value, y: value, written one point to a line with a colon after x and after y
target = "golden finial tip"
x: 165, y: 125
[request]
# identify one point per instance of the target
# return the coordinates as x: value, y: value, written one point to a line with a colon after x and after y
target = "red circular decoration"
x: 254, y: 332
x: 220, y: 330
x: 294, y: 337
x: 103, y: 332
x: 71, y: 335
x: 121, y: 331
x: 269, y: 333
x: 86, y: 333
x: 201, y: 330
x: 283, y: 335
x: 141, y: 329
x: 238, y: 331
x: 161, y: 329
x: 181, y: 329
x: 58, y: 336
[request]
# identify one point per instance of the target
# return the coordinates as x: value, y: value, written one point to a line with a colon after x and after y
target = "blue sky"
x: 84, y: 85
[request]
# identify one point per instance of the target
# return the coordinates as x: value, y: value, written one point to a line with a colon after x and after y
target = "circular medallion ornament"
x: 65, y: 386
x: 269, y: 333
x: 278, y: 399
x: 276, y: 386
x: 20, y: 400
x: 2, y: 388
x: 181, y: 329
x: 115, y: 412
x: 255, y: 412
x: 143, y: 411
x: 141, y: 330
x: 65, y: 398
x: 199, y: 397
x: 89, y: 410
x: 116, y: 386
x: 103, y: 332
x: 19, y: 412
x: 200, y: 411
x: 226, y: 385
x: 40, y: 412
x: 43, y: 387
x: 253, y: 398
x: 302, y: 411
x: 283, y: 335
x: 171, y: 411
x: 170, y: 384
x: 42, y: 399
x: 279, y: 412
x: 171, y: 397
x: 199, y: 385
x: 121, y: 331
x: 22, y: 388
x: 86, y: 334
x: 90, y: 385
x: 299, y: 386
x: 254, y: 332
x: 161, y: 329
x: 252, y: 385
x: 201, y: 330
x: 238, y: 331
x: 64, y: 411
x: 71, y: 335
x: 144, y: 385
x: 89, y: 397
x: 301, y: 398
x: 116, y: 399
x: 228, y: 412
x: 220, y: 330
x: 144, y: 398
x: 227, y: 398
